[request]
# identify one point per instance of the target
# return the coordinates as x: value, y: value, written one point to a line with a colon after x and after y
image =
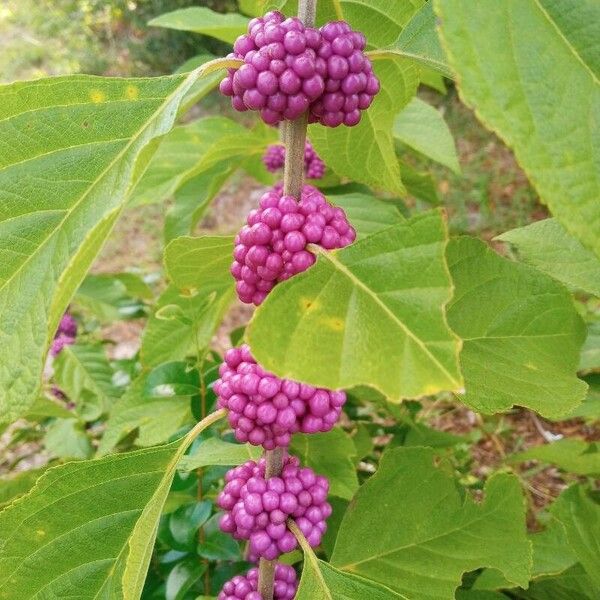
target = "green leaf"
x: 104, y: 546
x: 215, y: 451
x: 367, y: 214
x: 580, y: 515
x: 540, y: 93
x: 572, y: 455
x: 590, y: 353
x: 66, y: 438
x: 155, y: 418
x: 182, y: 324
x: 226, y: 27
x: 424, y: 535
x: 547, y: 246
x: 202, y: 86
x: 182, y: 578
x: 573, y: 584
x: 321, y: 581
x: 75, y: 143
x: 551, y: 552
x: 44, y: 408
x: 84, y: 374
x: 195, y: 261
x: 521, y: 333
x: 329, y: 454
x: 17, y: 484
x: 419, y: 184
x: 365, y: 153
x: 181, y: 154
x: 193, y: 199
x: 381, y: 297
x: 419, y: 42
x: 422, y: 127
x: 110, y: 297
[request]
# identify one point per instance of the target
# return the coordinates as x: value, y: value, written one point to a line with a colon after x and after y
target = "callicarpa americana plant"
x: 364, y: 369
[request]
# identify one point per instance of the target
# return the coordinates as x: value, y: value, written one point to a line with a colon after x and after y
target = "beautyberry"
x: 245, y: 587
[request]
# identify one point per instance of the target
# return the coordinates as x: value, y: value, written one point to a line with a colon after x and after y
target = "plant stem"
x: 293, y: 135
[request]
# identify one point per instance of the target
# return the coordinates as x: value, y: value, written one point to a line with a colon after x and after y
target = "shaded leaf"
x: 16, y: 484
x: 329, y: 454
x: 365, y: 153
x: 572, y: 455
x: 425, y: 535
x: 66, y: 438
x: 215, y: 451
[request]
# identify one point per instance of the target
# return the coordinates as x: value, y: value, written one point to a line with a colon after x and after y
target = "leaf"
x: 580, y: 515
x: 540, y: 94
x: 104, y: 546
x: 182, y: 578
x: 44, y: 408
x: 197, y: 261
x: 419, y: 42
x: 425, y: 535
x: 180, y: 155
x: 590, y: 353
x: 381, y: 297
x: 365, y: 153
x: 520, y: 330
x: 322, y: 581
x: 422, y: 127
x: 66, y: 438
x: 155, y: 418
x: 202, y: 86
x: 367, y: 214
x: 73, y: 152
x: 109, y: 297
x: 172, y: 379
x: 17, y: 484
x: 215, y: 451
x: 224, y: 27
x: 547, y: 246
x: 188, y: 324
x: 419, y: 184
x: 551, y: 552
x: 572, y: 455
x: 84, y: 374
x: 193, y: 199
x: 329, y: 454
x: 573, y: 584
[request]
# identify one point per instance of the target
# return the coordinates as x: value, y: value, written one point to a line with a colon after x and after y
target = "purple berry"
x: 274, y: 160
x: 271, y: 247
x: 245, y: 587
x: 350, y: 83
x: 266, y: 410
x: 256, y: 509
x: 280, y: 76
x: 65, y: 334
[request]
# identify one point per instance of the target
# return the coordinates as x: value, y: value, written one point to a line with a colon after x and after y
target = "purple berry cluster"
x: 257, y: 509
x: 271, y: 247
x: 280, y: 76
x: 65, y: 335
x: 265, y: 410
x: 274, y: 159
x: 245, y: 587
x: 350, y: 84
x: 290, y: 69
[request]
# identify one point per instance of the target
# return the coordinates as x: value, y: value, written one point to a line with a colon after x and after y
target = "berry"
x: 274, y: 159
x: 266, y: 410
x: 271, y: 247
x: 256, y: 508
x: 245, y: 587
x: 65, y: 334
x: 282, y: 73
x: 350, y: 84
